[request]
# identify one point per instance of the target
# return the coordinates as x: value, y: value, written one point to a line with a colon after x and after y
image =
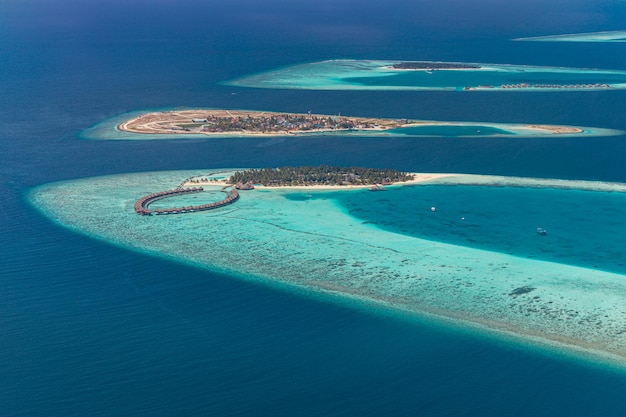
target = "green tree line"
x: 319, y: 175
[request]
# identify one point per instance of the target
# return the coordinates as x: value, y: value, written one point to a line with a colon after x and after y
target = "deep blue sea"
x: 89, y: 329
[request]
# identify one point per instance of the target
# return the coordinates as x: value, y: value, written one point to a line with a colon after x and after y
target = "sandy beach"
x: 559, y: 130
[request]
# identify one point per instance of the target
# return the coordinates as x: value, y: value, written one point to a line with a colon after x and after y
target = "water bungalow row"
x: 553, y: 86
x: 525, y: 85
x: 232, y: 197
x: 141, y: 205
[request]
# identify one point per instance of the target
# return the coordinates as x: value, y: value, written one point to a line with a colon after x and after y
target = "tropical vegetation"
x: 319, y: 175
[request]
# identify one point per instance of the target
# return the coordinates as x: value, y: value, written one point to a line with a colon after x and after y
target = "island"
x: 468, y: 263
x: 317, y: 177
x: 247, y: 122
x: 223, y: 123
x: 371, y: 74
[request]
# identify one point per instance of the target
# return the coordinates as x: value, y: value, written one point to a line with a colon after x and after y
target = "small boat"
x: 541, y: 231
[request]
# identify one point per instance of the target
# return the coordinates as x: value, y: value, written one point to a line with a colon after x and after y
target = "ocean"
x: 90, y: 328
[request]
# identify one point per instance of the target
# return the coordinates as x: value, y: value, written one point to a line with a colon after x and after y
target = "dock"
x: 142, y: 205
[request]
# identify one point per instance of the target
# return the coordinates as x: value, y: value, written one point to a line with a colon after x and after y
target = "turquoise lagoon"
x: 606, y: 36
x: 108, y: 130
x: 346, y: 74
x: 476, y: 259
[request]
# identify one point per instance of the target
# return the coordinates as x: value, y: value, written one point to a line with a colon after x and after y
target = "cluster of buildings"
x: 279, y: 123
x: 525, y: 85
x: 547, y: 86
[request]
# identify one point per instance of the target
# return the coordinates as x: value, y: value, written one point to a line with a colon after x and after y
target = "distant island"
x: 250, y: 123
x: 402, y: 75
x: 245, y: 122
x: 424, y: 65
x: 319, y: 175
x: 605, y: 36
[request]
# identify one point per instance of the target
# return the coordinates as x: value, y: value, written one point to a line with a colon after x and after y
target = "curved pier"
x: 141, y: 205
x: 594, y: 86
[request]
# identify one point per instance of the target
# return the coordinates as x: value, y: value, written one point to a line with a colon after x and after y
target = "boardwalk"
x: 141, y: 205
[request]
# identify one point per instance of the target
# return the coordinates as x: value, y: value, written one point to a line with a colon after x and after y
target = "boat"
x: 541, y: 231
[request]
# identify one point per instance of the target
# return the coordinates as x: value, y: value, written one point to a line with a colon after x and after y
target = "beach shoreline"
x: 440, y: 178
x: 417, y: 178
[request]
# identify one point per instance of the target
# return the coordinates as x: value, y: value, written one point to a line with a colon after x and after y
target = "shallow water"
x: 581, y: 224
x: 90, y: 328
x: 107, y: 130
x: 464, y: 252
x: 377, y: 75
x: 447, y: 131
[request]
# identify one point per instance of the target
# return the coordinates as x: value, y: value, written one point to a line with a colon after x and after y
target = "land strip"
x: 245, y: 122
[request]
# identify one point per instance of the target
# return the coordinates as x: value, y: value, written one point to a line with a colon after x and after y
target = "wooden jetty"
x: 141, y: 205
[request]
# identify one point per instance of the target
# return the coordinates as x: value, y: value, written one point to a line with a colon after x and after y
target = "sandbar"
x: 558, y: 130
x: 605, y: 36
